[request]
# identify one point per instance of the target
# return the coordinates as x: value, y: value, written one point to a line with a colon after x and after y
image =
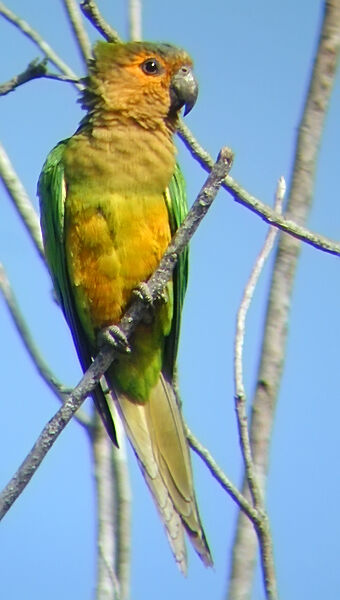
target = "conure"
x: 111, y: 196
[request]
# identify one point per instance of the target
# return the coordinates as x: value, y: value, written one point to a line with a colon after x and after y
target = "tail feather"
x: 156, y: 432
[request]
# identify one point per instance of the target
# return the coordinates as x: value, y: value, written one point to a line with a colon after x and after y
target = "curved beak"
x: 183, y: 90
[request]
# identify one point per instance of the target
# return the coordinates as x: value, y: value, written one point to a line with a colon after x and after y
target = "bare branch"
x: 34, y: 70
x: 129, y: 321
x: 21, y: 201
x: 35, y: 37
x: 84, y: 44
x: 256, y: 516
x: 135, y: 20
x: 42, y: 367
x: 92, y: 13
x: 78, y: 82
x: 240, y: 396
x: 262, y: 525
x: 52, y: 430
x: 267, y: 558
x: 243, y: 197
x: 123, y: 505
x: 114, y: 509
x: 274, y: 340
x: 220, y: 476
x: 107, y: 581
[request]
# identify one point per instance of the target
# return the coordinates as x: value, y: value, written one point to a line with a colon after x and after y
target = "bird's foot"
x: 142, y: 291
x: 115, y: 337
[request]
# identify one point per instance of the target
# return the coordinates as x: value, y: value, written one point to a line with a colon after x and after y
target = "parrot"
x: 111, y: 197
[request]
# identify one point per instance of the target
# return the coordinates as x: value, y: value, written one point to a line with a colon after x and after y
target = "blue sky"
x: 252, y: 60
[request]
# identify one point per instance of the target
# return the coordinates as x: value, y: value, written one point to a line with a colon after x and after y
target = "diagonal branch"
x: 131, y: 318
x: 84, y: 44
x: 35, y: 37
x: 35, y: 70
x: 264, y: 211
x: 43, y: 369
x: 21, y: 201
x: 220, y: 476
x: 25, y: 335
x: 92, y: 13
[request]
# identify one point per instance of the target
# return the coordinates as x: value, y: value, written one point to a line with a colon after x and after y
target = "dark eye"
x: 151, y: 66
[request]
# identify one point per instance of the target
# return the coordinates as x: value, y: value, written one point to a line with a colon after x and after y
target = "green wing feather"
x: 177, y: 207
x: 52, y: 190
x: 52, y: 193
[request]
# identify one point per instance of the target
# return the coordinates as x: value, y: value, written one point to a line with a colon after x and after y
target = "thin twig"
x: 262, y: 525
x: 79, y: 30
x: 42, y: 367
x: 36, y: 72
x: 35, y: 37
x: 267, y: 558
x: 78, y: 81
x: 92, y: 13
x: 35, y: 69
x: 240, y: 396
x: 129, y: 321
x: 21, y: 201
x: 221, y: 477
x: 243, y: 197
x: 52, y: 430
x: 135, y: 20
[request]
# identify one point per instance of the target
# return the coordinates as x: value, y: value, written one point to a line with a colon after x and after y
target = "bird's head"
x: 143, y: 81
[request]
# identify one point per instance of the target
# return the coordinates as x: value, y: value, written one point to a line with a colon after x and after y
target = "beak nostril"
x: 183, y: 89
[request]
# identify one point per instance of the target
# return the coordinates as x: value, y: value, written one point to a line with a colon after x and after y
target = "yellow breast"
x: 116, y: 219
x: 111, y: 247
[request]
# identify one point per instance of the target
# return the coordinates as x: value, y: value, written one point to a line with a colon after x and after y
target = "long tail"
x: 156, y: 432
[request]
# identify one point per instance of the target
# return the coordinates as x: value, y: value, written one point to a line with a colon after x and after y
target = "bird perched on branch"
x: 111, y: 197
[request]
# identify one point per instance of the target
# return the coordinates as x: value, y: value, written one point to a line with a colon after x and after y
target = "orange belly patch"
x: 112, y: 244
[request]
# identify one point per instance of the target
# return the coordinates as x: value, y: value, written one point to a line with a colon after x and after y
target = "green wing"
x: 52, y: 194
x: 177, y: 206
x: 52, y: 190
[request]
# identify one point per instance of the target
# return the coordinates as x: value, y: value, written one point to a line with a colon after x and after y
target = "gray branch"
x: 80, y: 34
x: 264, y: 211
x: 36, y: 38
x: 21, y: 201
x: 92, y: 13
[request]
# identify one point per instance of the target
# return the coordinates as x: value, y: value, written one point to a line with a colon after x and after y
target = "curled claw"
x: 142, y: 291
x: 115, y: 337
